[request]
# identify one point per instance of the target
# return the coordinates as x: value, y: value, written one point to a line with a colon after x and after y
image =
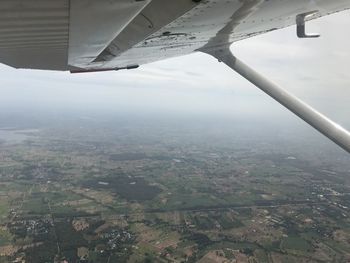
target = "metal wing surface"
x: 106, y: 34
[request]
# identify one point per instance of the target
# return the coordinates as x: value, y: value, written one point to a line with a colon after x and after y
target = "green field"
x: 296, y: 244
x: 4, y: 208
x: 5, y: 237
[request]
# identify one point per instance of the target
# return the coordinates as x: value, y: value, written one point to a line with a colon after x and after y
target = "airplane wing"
x: 107, y: 34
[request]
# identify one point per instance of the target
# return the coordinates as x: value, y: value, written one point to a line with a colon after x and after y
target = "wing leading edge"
x: 77, y: 34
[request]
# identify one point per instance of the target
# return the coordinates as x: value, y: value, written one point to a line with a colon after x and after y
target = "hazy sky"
x: 315, y: 69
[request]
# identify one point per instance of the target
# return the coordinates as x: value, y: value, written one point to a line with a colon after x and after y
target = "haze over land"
x: 115, y: 187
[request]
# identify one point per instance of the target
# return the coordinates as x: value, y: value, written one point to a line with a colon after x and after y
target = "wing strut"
x: 327, y: 127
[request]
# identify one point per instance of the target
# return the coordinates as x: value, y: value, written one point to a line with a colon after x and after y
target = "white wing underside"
x: 90, y: 34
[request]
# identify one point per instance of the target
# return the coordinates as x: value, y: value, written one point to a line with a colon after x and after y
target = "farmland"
x: 168, y: 195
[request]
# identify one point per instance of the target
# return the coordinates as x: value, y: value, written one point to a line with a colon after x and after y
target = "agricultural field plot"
x: 78, y: 195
